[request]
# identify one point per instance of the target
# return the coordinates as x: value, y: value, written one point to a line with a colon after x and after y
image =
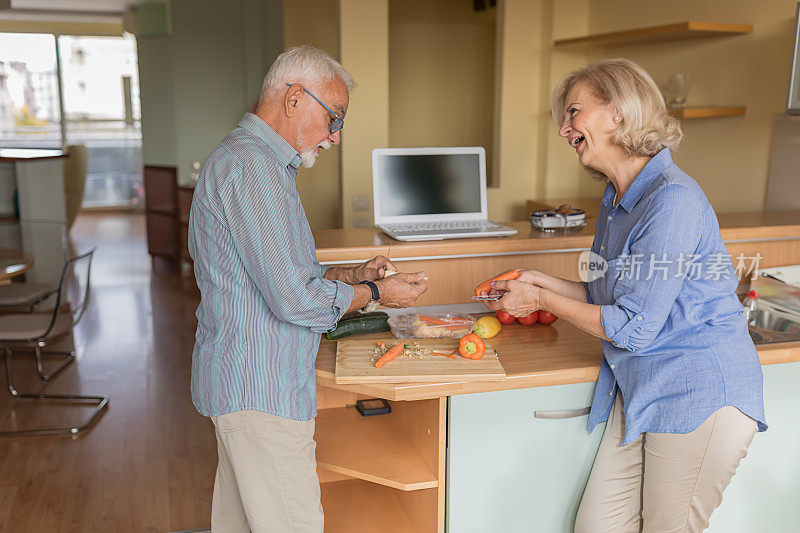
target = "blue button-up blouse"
x: 679, y: 346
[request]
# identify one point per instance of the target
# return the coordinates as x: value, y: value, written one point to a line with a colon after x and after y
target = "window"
x: 98, y: 106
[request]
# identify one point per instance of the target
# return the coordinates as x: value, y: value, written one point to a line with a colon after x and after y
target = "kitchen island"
x: 514, y: 455
x: 36, y: 178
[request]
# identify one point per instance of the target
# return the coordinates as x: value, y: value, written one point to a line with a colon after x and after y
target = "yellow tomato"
x: 487, y: 327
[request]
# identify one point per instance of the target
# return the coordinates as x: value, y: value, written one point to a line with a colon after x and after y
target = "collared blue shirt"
x: 264, y: 301
x: 679, y: 346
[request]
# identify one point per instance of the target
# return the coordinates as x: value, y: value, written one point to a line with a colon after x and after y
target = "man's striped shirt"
x: 264, y: 301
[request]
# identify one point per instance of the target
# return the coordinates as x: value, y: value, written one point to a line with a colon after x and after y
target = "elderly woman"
x: 680, y: 382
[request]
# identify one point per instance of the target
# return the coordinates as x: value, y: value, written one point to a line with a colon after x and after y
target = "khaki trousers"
x: 266, y: 475
x: 662, y: 482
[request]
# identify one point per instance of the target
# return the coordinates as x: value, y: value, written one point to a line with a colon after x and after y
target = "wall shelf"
x: 667, y: 32
x: 370, y: 448
x: 708, y: 112
x: 355, y: 506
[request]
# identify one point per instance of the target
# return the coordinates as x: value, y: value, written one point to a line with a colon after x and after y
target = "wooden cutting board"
x: 355, y: 363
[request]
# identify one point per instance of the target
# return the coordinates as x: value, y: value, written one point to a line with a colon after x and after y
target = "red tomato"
x: 504, y: 317
x: 547, y: 318
x: 530, y: 319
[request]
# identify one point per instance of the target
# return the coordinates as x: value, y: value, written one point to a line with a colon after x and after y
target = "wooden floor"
x: 149, y: 463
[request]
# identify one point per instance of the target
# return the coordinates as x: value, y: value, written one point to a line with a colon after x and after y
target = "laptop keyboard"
x: 460, y: 226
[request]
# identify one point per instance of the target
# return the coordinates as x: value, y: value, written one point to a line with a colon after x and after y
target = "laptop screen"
x: 427, y: 184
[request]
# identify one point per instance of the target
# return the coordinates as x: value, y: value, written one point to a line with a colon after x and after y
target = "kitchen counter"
x: 352, y: 245
x: 30, y: 154
x: 772, y: 237
x: 432, y: 448
x: 532, y: 356
x: 32, y: 185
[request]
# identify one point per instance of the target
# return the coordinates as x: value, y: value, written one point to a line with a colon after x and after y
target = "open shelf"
x: 355, y: 506
x: 667, y: 32
x: 370, y: 448
x: 708, y: 112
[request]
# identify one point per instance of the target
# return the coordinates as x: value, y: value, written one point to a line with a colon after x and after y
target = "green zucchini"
x: 360, y: 326
x: 358, y: 314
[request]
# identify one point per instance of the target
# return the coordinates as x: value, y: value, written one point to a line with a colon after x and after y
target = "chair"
x: 36, y: 331
x: 24, y: 295
x: 74, y: 180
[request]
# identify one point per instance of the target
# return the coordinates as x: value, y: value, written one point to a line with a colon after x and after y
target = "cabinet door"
x: 764, y: 495
x: 510, y: 471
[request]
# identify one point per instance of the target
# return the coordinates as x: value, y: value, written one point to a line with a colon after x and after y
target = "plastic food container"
x: 431, y: 326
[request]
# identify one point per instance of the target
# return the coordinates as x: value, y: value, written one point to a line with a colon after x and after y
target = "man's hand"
x: 373, y: 270
x: 521, y: 299
x: 401, y: 290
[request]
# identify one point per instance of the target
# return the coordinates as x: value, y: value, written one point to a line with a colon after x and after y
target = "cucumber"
x: 360, y: 326
x: 358, y: 314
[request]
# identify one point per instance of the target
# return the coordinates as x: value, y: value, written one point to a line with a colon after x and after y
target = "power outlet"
x: 361, y: 202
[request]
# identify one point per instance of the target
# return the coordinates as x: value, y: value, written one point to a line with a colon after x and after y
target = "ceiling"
x: 91, y: 6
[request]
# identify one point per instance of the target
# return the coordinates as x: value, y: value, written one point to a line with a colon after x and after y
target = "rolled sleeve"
x: 668, y: 240
x: 341, y: 295
x: 621, y: 326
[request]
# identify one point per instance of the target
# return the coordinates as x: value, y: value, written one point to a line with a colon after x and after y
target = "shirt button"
x: 639, y: 318
x: 611, y: 393
x: 609, y: 217
x: 613, y: 366
x: 602, y: 247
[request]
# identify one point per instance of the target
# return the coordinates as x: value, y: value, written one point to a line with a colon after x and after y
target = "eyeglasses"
x: 338, y: 123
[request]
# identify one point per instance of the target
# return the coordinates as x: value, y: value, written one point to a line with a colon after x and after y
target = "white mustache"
x: 324, y: 145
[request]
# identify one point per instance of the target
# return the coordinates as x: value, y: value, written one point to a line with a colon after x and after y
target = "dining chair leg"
x: 101, y: 401
x: 69, y: 357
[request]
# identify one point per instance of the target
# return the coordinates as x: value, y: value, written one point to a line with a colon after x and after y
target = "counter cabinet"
x: 509, y: 470
x: 512, y: 471
x: 383, y: 472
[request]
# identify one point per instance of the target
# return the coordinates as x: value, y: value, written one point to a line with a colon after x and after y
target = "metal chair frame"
x: 31, y: 306
x: 37, y: 343
x: 101, y: 401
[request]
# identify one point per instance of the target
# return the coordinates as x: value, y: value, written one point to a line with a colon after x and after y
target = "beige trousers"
x: 266, y: 475
x: 662, y: 482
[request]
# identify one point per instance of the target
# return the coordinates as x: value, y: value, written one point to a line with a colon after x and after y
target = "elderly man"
x: 265, y: 298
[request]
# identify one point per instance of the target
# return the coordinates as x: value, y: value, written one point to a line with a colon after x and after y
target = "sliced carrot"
x: 393, y: 352
x: 448, y: 323
x: 448, y: 355
x: 485, y: 287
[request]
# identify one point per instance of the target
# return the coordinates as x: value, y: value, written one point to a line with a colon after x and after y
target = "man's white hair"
x: 305, y: 65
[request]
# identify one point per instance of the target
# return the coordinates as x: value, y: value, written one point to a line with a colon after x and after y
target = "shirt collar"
x: 287, y: 156
x: 650, y: 172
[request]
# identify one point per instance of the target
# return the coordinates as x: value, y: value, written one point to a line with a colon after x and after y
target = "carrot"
x: 448, y: 323
x: 448, y: 355
x: 485, y: 287
x: 393, y: 352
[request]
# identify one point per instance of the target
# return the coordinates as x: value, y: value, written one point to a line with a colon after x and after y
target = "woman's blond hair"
x: 646, y: 127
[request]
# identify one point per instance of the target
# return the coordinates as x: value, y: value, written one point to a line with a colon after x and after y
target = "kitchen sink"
x: 768, y: 325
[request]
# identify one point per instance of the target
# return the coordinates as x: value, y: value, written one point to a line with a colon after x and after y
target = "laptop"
x: 428, y: 194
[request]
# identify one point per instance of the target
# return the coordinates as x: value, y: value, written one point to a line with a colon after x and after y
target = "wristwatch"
x: 376, y: 296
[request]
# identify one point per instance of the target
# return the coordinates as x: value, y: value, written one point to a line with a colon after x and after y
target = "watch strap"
x: 376, y: 295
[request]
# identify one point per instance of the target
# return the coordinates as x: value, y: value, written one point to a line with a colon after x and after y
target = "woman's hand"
x: 522, y: 298
x: 531, y: 276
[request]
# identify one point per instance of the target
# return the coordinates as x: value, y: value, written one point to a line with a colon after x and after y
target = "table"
x: 46, y: 241
x: 13, y: 263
